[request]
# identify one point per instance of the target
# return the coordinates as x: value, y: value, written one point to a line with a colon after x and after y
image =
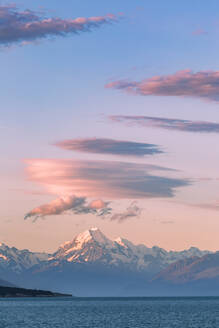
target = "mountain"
x: 4, y: 283
x: 91, y: 265
x: 191, y: 276
x: 191, y: 269
x: 14, y: 262
x: 92, y: 246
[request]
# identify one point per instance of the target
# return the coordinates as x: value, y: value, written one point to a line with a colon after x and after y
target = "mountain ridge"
x: 119, y: 240
x: 94, y: 265
x: 191, y: 269
x: 93, y: 246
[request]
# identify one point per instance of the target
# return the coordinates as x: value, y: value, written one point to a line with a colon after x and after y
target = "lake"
x: 110, y: 312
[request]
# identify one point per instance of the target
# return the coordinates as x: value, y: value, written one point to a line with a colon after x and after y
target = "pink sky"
x: 109, y: 121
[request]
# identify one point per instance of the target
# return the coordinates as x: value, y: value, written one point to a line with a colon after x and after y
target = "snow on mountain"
x: 92, y: 246
x: 18, y: 260
x: 191, y: 269
x: 89, y: 246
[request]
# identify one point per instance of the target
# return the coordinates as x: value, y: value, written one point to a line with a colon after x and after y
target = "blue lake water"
x: 110, y: 312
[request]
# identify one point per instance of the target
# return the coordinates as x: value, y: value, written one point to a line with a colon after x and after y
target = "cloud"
x: 28, y: 26
x: 199, y: 31
x: 109, y: 146
x: 97, y: 204
x: 76, y: 205
x: 167, y: 222
x: 208, y: 206
x: 81, y: 206
x: 203, y: 84
x: 104, y: 179
x: 167, y: 123
x: 132, y: 211
x: 99, y: 180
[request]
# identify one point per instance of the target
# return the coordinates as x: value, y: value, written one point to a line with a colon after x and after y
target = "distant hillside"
x: 4, y: 283
x: 22, y: 292
x: 94, y: 265
x: 195, y: 276
x: 191, y: 269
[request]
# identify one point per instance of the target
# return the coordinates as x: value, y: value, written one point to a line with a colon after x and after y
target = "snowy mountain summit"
x: 89, y: 246
x: 92, y: 246
x: 90, y: 264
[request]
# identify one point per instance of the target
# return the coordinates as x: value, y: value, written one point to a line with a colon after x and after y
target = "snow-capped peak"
x: 94, y: 229
x: 92, y: 237
x: 65, y: 244
x: 83, y: 238
x: 92, y: 246
x: 93, y: 234
x: 120, y: 241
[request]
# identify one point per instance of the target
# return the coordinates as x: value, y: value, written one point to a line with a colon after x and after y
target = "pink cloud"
x: 103, y: 179
x: 109, y: 147
x: 97, y: 204
x: 82, y: 187
x: 76, y: 205
x: 199, y: 31
x: 132, y: 211
x: 27, y: 26
x: 204, y: 85
x: 167, y: 123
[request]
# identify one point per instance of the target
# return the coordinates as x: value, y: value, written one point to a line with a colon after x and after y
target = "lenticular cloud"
x: 204, y: 85
x: 167, y: 123
x: 110, y: 147
x: 27, y: 26
x: 104, y: 179
x: 99, y: 180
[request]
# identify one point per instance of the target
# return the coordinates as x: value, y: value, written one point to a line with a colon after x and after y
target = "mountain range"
x: 93, y: 265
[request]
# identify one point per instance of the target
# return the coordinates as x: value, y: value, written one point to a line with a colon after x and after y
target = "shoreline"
x: 16, y: 292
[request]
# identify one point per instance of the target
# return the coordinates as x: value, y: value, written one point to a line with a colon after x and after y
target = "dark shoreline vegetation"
x: 23, y: 292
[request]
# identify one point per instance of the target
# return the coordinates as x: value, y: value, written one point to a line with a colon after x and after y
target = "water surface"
x: 110, y: 312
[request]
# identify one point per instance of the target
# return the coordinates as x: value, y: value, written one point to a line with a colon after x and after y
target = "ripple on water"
x: 115, y: 313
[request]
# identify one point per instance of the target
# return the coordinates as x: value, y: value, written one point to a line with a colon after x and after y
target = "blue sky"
x: 53, y: 90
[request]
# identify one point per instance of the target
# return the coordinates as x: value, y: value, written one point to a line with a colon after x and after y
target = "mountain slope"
x: 191, y: 269
x: 91, y: 265
x: 14, y: 263
x: 92, y: 246
x: 4, y: 283
x: 195, y: 276
x: 18, y: 260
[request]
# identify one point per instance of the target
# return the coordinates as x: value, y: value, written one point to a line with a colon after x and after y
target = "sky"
x: 109, y: 118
